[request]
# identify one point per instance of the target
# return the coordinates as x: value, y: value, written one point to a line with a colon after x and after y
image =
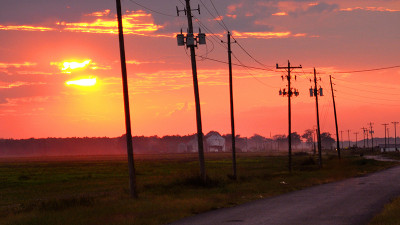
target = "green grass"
x: 83, y: 191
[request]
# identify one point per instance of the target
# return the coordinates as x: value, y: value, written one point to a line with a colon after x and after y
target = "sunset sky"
x: 60, y: 72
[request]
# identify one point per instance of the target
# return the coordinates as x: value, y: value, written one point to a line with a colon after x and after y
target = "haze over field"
x: 60, y: 73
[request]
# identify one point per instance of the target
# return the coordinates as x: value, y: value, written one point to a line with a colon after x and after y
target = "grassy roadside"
x: 95, y: 191
x: 389, y: 215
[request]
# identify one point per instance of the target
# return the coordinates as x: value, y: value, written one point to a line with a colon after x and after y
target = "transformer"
x: 202, y: 38
x: 181, y: 39
x: 320, y: 92
x: 311, y: 92
x: 190, y: 40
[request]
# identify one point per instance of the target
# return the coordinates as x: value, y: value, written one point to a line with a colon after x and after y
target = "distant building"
x: 389, y: 148
x: 215, y: 143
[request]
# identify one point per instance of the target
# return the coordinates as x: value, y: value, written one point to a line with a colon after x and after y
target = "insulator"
x: 295, y: 77
x: 282, y: 77
x: 181, y: 39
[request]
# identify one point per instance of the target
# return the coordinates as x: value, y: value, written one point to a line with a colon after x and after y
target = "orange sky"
x: 41, y: 51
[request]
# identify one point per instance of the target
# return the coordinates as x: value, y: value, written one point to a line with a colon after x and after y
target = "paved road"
x: 352, y: 201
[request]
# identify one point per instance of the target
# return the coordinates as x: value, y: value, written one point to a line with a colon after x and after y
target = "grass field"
x: 94, y: 190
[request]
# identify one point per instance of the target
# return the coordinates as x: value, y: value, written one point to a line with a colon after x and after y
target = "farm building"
x: 389, y: 148
x: 213, y: 142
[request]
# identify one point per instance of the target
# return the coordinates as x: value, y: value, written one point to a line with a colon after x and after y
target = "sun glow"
x: 82, y: 82
x: 75, y: 65
x: 67, y: 66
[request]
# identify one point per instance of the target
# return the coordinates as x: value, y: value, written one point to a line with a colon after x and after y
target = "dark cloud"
x: 321, y: 7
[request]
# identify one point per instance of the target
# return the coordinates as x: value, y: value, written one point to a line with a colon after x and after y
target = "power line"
x: 368, y: 70
x: 152, y: 10
x: 219, y: 15
x: 213, y: 17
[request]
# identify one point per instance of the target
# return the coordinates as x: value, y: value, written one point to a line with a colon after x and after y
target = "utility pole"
x: 289, y: 93
x: 356, y: 138
x: 385, y: 124
x: 231, y: 104
x: 388, y: 136
x: 372, y: 135
x: 341, y: 136
x: 191, y: 42
x: 315, y: 91
x: 336, y: 123
x: 395, y: 135
x: 364, y: 130
x: 348, y: 136
x: 131, y: 166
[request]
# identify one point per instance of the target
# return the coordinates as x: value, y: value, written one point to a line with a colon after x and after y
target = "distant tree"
x: 296, y: 140
x: 326, y: 140
x: 308, y: 136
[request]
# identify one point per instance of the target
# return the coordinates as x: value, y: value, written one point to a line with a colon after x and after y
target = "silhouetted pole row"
x: 131, y: 166
x: 348, y: 136
x: 317, y: 92
x: 336, y: 122
x: 364, y: 131
x: 289, y: 94
x: 356, y: 138
x: 371, y: 131
x: 341, y: 136
x: 395, y: 135
x: 191, y: 42
x: 385, y: 124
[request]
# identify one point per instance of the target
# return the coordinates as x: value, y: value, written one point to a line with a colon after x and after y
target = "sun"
x: 87, y: 82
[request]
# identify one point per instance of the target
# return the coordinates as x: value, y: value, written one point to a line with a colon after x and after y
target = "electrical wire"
x: 213, y: 17
x: 152, y: 10
x: 220, y: 17
x: 368, y: 70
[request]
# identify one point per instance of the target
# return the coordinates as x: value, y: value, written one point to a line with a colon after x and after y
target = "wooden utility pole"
x: 364, y: 130
x: 196, y: 94
x: 385, y: 124
x: 131, y: 166
x: 231, y: 104
x: 316, y: 93
x: 395, y: 135
x: 348, y: 136
x: 372, y: 135
x: 289, y: 94
x: 336, y: 123
x: 356, y: 138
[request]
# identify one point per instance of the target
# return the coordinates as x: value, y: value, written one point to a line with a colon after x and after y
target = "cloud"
x: 315, y: 8
x: 376, y: 9
x: 102, y: 22
x: 267, y: 35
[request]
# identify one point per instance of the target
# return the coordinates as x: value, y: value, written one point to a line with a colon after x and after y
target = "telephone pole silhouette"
x: 395, y: 135
x: 348, y: 136
x: 385, y: 125
x: 289, y: 93
x: 315, y: 92
x: 364, y: 131
x: 131, y: 165
x: 191, y: 42
x: 336, y: 122
x: 356, y: 138
x: 231, y: 106
x: 372, y: 135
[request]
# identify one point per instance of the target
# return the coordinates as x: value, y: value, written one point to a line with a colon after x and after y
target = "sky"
x: 60, y: 73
